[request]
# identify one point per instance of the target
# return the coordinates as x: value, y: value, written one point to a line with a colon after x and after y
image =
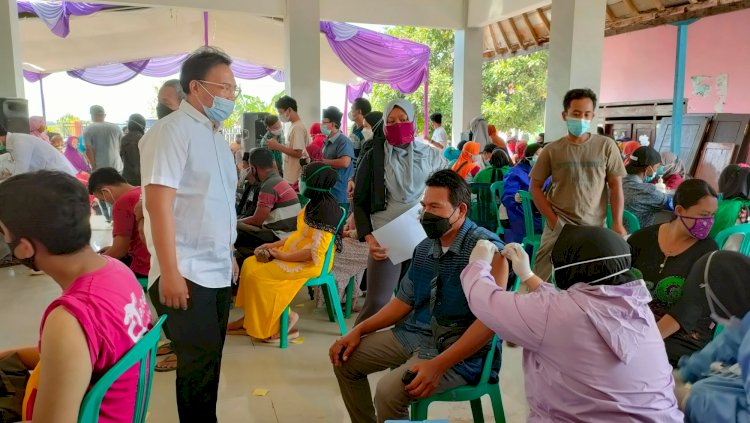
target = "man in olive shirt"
x: 586, y: 171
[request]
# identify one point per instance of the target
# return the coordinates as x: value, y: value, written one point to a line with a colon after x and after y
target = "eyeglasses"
x: 227, y: 88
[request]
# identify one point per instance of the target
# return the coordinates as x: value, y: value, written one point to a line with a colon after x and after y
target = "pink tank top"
x: 113, y: 312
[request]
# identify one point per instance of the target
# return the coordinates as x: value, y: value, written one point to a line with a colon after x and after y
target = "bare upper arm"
x: 159, y: 195
x: 67, y: 369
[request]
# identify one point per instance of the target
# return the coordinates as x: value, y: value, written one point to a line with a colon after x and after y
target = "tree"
x: 513, y: 90
x: 249, y: 103
x: 440, y: 92
x: 66, y: 125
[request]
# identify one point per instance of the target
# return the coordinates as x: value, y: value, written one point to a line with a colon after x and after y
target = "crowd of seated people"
x: 637, y: 308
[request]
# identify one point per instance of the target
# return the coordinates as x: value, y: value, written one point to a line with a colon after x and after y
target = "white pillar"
x: 302, y: 56
x: 575, y: 56
x: 11, y: 84
x: 467, y: 79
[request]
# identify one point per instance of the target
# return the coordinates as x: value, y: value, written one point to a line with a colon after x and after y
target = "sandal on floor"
x: 293, y: 334
x: 167, y: 365
x: 165, y: 349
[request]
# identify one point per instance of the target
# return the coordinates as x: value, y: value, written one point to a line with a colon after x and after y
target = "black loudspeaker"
x: 14, y: 114
x: 253, y: 129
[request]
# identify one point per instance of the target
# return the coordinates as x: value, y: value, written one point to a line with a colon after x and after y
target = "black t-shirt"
x: 691, y: 310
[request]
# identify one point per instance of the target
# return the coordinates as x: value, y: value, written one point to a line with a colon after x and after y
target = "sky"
x: 67, y: 95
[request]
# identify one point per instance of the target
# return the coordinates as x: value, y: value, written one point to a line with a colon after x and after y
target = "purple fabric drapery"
x: 353, y: 92
x: 381, y: 58
x: 56, y: 14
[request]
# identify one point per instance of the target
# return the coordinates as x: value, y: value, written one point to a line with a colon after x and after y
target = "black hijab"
x: 322, y: 211
x: 727, y: 278
x: 734, y: 182
x: 598, y: 257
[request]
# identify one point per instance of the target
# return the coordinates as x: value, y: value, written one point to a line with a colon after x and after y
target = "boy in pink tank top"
x: 100, y: 314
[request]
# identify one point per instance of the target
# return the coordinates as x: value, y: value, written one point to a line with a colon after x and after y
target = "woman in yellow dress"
x: 266, y: 289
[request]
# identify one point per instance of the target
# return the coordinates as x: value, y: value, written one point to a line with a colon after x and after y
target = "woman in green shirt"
x: 500, y: 164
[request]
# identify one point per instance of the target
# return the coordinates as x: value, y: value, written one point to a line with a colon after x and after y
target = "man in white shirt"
x: 31, y: 154
x: 189, y: 179
x: 439, y: 136
x: 297, y: 139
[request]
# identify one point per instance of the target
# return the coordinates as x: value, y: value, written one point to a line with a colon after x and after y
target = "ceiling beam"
x: 505, y: 36
x: 675, y: 14
x: 443, y: 13
x: 659, y: 5
x: 513, y: 26
x: 495, y: 44
x: 531, y: 29
x: 631, y: 7
x: 543, y: 17
x: 611, y: 15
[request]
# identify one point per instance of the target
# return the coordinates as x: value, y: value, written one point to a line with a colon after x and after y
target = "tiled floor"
x: 300, y: 383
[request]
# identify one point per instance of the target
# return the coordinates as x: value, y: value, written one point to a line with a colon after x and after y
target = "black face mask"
x: 436, y: 226
x: 28, y: 262
x: 162, y: 110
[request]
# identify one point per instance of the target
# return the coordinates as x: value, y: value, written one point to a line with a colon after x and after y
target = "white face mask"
x: 350, y: 115
x: 275, y: 132
x: 284, y: 117
x: 367, y: 133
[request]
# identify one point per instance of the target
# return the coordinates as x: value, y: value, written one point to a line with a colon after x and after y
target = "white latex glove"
x: 519, y: 259
x: 517, y: 197
x: 483, y: 251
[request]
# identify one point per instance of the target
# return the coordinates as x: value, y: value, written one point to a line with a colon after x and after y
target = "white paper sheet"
x: 401, y: 235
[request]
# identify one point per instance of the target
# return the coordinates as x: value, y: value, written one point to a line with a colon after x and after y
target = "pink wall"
x: 640, y: 65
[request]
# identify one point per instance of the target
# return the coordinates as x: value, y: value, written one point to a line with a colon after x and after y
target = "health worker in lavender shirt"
x: 592, y: 350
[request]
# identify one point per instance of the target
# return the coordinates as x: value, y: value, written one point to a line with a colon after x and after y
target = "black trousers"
x: 197, y: 336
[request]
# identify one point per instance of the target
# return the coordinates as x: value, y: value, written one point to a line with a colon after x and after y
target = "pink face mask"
x: 701, y: 228
x: 398, y: 134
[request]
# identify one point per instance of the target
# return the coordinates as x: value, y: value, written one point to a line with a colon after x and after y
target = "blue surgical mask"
x: 648, y: 178
x: 578, y: 127
x: 220, y: 110
x: 532, y: 160
x: 660, y: 171
x: 324, y: 129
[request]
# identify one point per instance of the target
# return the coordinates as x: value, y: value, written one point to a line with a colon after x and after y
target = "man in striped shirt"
x: 276, y: 211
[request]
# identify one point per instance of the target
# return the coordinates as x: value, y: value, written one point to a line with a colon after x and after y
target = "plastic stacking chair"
x: 631, y: 222
x: 485, y: 211
x: 531, y: 238
x: 349, y: 297
x: 628, y: 219
x: 472, y: 393
x: 744, y: 229
x: 330, y: 292
x: 496, y: 189
x: 144, y: 283
x: 143, y: 353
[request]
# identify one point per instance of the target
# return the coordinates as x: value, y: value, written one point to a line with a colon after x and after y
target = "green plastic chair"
x: 471, y: 393
x: 143, y: 354
x: 484, y: 211
x: 144, y: 283
x: 349, y: 297
x: 330, y: 293
x: 628, y: 219
x: 531, y: 238
x: 743, y: 229
x: 496, y: 189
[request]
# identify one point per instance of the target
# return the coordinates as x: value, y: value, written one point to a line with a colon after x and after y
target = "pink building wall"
x: 640, y: 65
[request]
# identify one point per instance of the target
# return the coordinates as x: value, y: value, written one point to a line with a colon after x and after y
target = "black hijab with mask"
x: 322, y: 211
x: 726, y: 273
x: 590, y: 254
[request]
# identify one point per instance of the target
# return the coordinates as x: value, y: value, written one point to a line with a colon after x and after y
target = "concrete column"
x: 575, y: 56
x: 467, y: 79
x: 11, y: 84
x: 302, y: 56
